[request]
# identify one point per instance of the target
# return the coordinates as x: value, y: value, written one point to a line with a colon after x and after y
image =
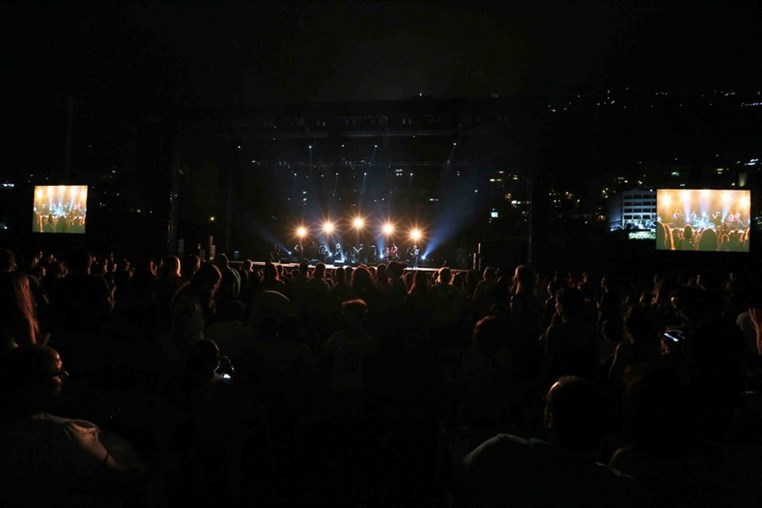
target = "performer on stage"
x: 299, y: 251
x: 415, y: 252
x: 323, y: 252
x: 358, y: 252
x: 338, y: 253
x: 394, y: 254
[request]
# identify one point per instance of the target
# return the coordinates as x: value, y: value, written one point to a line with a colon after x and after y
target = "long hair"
x: 421, y: 284
x: 17, y: 302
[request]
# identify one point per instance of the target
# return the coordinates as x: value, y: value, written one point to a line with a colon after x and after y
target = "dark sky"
x: 229, y: 53
x: 120, y: 59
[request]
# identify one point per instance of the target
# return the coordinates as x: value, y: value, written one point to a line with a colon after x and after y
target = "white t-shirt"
x: 44, y: 457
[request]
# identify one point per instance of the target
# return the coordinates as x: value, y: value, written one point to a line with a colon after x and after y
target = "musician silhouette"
x: 415, y: 253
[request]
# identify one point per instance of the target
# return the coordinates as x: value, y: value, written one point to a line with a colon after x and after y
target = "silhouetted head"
x: 78, y: 260
x: 569, y: 302
x: 7, y: 260
x: 354, y: 312
x: 206, y: 279
x: 221, y: 261
x: 490, y: 334
x: 575, y: 414
x: 191, y: 264
x: 31, y: 378
x: 394, y: 269
x: 525, y: 276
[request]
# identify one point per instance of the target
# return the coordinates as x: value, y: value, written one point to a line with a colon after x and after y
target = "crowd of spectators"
x: 168, y: 382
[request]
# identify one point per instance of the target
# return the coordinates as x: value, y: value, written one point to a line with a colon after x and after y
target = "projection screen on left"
x: 59, y: 209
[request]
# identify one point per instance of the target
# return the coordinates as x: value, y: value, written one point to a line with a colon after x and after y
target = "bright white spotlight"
x: 358, y: 223
x: 328, y: 227
x: 423, y: 258
x: 388, y: 229
x: 301, y: 231
x: 415, y: 234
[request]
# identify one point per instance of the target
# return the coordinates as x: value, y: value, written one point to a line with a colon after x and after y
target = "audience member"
x: 508, y: 470
x: 51, y: 460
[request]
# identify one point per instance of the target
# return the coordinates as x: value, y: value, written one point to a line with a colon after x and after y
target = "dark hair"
x: 77, y: 259
x: 354, y: 310
x: 526, y: 275
x: 489, y: 334
x: 7, y: 260
x: 575, y: 413
x: 570, y: 299
x: 25, y: 364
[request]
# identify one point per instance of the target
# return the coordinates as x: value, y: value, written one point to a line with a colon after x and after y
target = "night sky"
x: 122, y: 59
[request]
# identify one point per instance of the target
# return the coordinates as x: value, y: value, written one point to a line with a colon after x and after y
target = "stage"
x: 330, y: 266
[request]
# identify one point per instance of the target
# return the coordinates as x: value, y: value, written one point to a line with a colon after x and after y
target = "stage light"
x: 212, y: 219
x: 358, y: 223
x: 415, y: 234
x: 388, y: 229
x: 328, y: 227
x: 423, y: 258
x: 301, y: 232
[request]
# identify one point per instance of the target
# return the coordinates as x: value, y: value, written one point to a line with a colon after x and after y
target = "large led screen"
x: 59, y: 209
x: 703, y: 220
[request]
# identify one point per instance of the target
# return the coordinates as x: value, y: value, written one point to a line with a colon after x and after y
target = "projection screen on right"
x: 703, y: 220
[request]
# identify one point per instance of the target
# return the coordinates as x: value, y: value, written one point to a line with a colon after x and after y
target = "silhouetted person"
x: 193, y: 308
x: 80, y: 301
x: 49, y: 460
x: 570, y: 345
x: 508, y: 470
x: 230, y: 285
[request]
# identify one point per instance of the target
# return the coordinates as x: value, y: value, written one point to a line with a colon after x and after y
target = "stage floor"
x: 331, y: 266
